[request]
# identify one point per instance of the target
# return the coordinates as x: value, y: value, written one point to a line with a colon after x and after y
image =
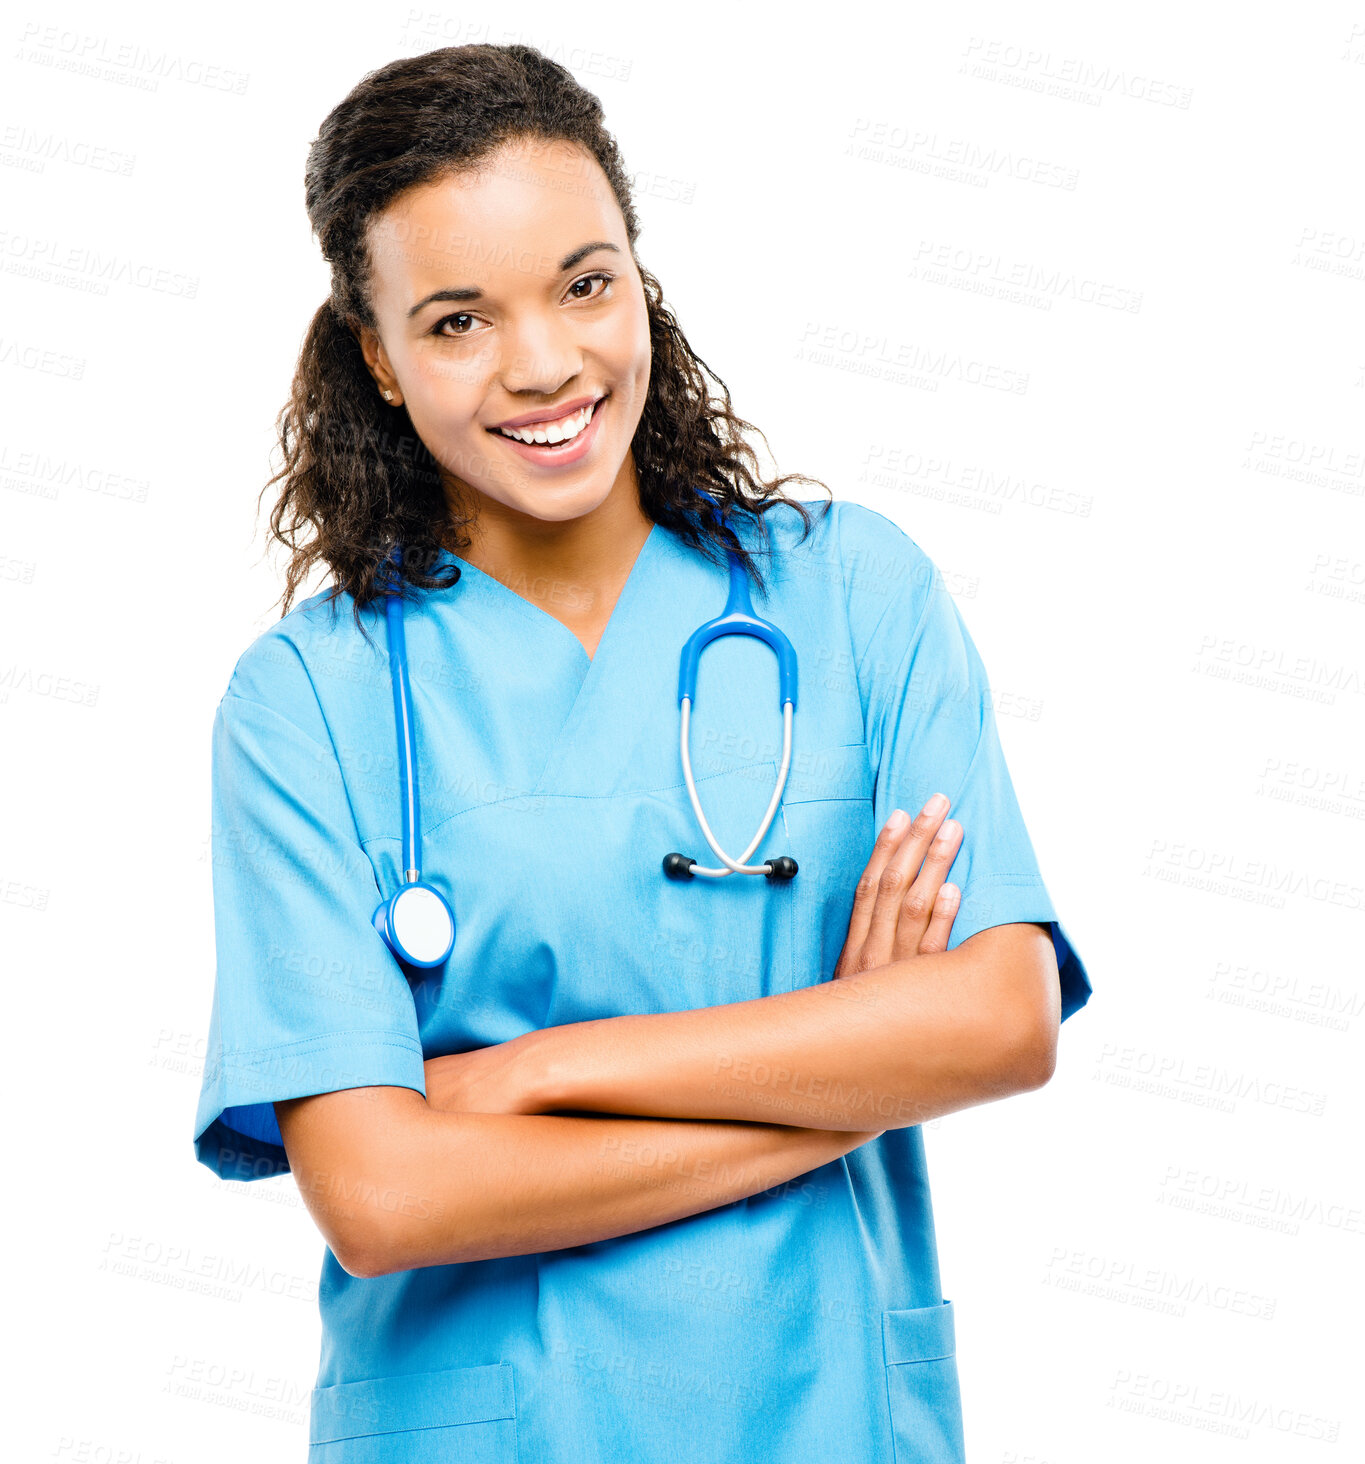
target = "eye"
x: 461, y: 315
x: 602, y: 275
x: 606, y: 277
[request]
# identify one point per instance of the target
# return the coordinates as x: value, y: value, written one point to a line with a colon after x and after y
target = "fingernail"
x: 898, y: 820
x: 936, y: 804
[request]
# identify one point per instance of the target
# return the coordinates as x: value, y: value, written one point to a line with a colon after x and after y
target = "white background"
x: 873, y: 225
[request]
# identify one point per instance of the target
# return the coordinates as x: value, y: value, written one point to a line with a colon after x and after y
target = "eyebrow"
x: 470, y: 293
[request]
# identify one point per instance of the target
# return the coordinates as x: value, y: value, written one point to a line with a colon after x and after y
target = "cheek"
x: 442, y: 395
x: 628, y: 350
x: 449, y: 383
x: 643, y: 351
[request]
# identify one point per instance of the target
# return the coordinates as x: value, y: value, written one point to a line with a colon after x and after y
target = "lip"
x: 544, y: 456
x: 549, y: 414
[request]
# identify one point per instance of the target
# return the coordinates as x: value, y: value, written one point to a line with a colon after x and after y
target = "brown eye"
x: 588, y: 279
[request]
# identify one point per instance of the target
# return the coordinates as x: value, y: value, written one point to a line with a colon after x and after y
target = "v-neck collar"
x: 490, y: 585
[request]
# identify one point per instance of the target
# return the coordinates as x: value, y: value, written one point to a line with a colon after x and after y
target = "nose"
x: 541, y: 355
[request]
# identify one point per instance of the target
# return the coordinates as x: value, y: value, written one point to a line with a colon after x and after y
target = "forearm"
x: 899, y: 1045
x: 481, y: 1186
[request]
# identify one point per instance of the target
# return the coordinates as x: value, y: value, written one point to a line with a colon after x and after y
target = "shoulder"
x: 881, y: 561
x: 869, y: 556
x: 291, y: 667
x: 859, y: 537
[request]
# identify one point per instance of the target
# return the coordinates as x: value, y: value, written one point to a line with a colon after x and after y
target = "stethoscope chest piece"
x: 417, y: 924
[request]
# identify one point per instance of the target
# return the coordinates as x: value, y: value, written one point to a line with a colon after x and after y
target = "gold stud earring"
x: 388, y: 395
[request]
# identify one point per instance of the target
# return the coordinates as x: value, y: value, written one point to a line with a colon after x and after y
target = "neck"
x: 573, y: 566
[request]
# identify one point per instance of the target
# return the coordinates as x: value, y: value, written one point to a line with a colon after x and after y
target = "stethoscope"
x: 417, y: 922
x: 737, y: 618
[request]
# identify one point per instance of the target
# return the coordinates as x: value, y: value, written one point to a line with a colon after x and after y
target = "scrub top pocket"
x: 462, y: 1415
x: 920, y: 1350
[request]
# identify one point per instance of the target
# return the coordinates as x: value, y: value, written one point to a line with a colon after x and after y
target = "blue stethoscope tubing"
x: 417, y: 922
x: 737, y: 618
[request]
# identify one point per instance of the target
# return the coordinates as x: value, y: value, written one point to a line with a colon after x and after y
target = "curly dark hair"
x: 355, y: 472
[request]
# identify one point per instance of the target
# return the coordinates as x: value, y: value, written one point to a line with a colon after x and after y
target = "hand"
x: 902, y: 908
x: 494, y: 1079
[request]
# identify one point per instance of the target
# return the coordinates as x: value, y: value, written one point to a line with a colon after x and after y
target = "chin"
x: 554, y: 506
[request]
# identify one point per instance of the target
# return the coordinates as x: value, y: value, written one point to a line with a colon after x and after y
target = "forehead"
x: 506, y: 221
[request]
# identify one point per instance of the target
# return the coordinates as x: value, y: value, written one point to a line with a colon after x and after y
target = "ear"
x: 377, y: 362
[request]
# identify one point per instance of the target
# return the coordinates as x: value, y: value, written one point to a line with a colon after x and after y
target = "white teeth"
x: 545, y: 432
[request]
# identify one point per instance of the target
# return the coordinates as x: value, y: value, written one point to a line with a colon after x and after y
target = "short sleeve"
x: 931, y: 728
x: 307, y: 997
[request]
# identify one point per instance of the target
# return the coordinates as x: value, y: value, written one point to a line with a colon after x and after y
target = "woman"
x: 636, y: 1172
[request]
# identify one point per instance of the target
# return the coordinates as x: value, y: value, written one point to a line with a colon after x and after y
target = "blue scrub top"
x: 805, y: 1322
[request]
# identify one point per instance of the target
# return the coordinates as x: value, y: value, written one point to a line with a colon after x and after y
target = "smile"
x: 563, y: 443
x: 565, y: 429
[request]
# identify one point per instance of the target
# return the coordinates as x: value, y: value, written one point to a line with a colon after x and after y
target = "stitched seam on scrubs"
x: 428, y: 829
x: 379, y: 1039
x: 978, y: 888
x: 822, y: 795
x: 984, y: 714
x: 328, y: 748
x: 345, y: 788
x: 266, y: 707
x: 419, y: 1429
x: 892, y: 604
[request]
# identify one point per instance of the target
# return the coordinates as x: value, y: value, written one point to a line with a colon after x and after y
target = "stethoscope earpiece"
x: 781, y: 869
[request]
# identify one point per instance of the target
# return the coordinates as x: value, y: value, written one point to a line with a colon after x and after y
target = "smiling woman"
x: 535, y: 325
x: 560, y: 392
x: 631, y: 1167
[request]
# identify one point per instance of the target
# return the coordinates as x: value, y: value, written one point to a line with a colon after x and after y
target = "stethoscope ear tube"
x: 737, y: 618
x: 779, y: 870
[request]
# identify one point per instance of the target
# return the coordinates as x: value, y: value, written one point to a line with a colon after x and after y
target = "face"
x: 508, y: 294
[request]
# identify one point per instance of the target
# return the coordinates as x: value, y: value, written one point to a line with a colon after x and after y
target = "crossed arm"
x: 898, y: 1044
x: 905, y: 1032
x: 686, y: 1110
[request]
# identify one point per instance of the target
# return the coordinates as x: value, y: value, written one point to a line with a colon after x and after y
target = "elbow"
x: 1035, y: 1062
x: 1035, y: 1016
x: 353, y: 1152
x: 361, y: 1247
x: 1030, y: 1047
x: 364, y: 1264
x: 367, y: 1228
x: 385, y: 1241
x: 398, y: 1234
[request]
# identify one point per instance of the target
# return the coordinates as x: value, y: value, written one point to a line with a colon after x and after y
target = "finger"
x: 946, y: 906
x: 918, y: 906
x: 865, y: 896
x: 895, y: 881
